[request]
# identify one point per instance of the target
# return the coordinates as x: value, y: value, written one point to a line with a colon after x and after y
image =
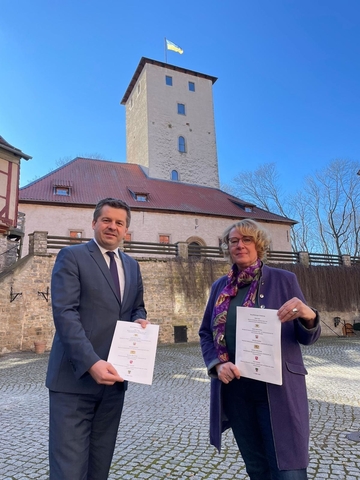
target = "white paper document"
x: 133, y: 351
x: 258, y: 344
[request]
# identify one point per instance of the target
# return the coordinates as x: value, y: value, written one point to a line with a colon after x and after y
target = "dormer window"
x: 248, y: 208
x: 141, y: 197
x: 65, y: 191
x: 62, y: 187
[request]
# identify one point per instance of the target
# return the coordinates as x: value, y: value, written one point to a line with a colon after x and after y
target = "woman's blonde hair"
x: 248, y: 228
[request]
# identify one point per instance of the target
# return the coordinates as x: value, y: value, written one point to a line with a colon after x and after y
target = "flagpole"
x: 165, y: 50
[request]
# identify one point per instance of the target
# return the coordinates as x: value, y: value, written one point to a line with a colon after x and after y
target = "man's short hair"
x: 114, y: 203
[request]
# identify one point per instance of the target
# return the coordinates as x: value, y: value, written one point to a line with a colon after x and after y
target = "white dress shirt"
x: 119, y: 266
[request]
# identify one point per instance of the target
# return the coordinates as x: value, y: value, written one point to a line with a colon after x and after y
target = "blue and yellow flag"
x: 173, y: 47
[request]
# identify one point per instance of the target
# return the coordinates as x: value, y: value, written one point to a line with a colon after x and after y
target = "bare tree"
x: 336, y: 206
x: 327, y: 208
x: 303, y: 232
x: 64, y: 160
x: 263, y: 188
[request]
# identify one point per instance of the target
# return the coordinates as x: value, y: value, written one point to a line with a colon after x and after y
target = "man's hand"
x: 104, y: 373
x: 142, y: 322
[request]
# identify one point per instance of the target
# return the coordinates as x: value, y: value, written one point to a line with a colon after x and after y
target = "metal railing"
x: 324, y: 259
x: 355, y: 261
x: 151, y: 248
x: 199, y: 251
x: 204, y: 252
x: 56, y: 243
x: 283, y: 257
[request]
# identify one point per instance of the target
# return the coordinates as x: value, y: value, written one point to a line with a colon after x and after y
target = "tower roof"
x: 141, y: 66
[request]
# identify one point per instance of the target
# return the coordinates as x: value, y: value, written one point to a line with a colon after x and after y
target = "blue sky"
x: 288, y: 87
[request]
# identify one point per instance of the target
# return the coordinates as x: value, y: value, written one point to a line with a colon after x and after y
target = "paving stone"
x: 163, y: 433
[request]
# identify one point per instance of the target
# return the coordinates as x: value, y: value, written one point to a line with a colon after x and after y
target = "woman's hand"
x: 227, y: 371
x: 295, y: 308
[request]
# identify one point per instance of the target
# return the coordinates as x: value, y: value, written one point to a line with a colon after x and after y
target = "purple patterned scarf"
x: 236, y: 279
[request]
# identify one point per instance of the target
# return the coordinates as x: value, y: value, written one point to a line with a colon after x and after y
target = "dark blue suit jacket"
x: 85, y: 309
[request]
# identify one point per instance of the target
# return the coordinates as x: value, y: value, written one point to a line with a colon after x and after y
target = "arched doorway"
x: 194, y: 246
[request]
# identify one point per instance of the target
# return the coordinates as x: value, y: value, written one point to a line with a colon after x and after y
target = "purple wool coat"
x: 288, y: 402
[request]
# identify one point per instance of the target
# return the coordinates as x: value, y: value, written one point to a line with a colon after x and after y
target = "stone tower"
x: 170, y: 128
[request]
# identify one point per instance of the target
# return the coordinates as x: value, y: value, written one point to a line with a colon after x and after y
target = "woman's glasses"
x: 234, y: 242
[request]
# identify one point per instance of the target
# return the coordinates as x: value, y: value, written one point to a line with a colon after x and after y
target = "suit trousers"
x: 247, y: 408
x: 83, y: 430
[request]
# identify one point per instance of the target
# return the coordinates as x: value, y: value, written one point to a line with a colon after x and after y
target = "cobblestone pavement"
x: 164, y: 429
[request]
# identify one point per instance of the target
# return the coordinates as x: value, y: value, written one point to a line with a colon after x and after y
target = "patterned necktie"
x: 114, y: 272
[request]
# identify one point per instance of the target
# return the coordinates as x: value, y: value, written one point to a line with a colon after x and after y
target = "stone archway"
x: 195, y: 243
x: 197, y: 240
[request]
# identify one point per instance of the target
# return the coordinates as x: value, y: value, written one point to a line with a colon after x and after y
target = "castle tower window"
x: 182, y: 145
x: 192, y: 86
x: 174, y: 175
x: 168, y: 80
x: 181, y: 109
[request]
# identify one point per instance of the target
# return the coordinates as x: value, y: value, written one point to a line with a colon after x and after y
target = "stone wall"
x: 172, y: 298
x: 25, y: 315
x: 176, y: 291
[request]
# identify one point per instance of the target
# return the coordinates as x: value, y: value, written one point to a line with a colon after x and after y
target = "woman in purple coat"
x: 270, y: 422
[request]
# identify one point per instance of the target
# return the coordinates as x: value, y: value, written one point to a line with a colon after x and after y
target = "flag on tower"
x: 173, y: 47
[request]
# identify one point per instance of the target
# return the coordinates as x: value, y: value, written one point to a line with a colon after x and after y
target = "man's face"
x: 110, y: 228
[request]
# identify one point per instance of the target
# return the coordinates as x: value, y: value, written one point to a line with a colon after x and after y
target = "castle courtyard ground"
x: 164, y: 428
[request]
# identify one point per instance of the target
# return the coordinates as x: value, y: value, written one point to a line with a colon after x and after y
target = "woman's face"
x: 242, y: 249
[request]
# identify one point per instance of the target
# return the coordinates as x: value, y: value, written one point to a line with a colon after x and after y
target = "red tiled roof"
x: 92, y: 180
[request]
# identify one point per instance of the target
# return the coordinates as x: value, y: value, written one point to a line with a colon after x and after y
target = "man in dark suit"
x: 86, y: 393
